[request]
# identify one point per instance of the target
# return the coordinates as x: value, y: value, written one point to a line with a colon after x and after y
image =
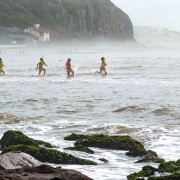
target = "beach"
x: 139, y: 97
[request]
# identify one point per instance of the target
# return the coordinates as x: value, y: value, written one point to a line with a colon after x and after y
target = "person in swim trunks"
x: 69, y: 67
x: 40, y: 66
x: 1, y: 66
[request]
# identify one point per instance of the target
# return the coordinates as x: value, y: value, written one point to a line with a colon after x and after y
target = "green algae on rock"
x: 48, y: 155
x: 166, y: 171
x: 134, y: 147
x: 146, y: 171
x: 173, y: 176
x: 17, y: 137
x: 80, y: 148
x: 103, y: 160
x: 75, y: 137
x: 170, y: 166
x: 43, y: 143
x: 151, y: 156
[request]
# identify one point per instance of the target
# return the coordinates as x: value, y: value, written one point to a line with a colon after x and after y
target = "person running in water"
x: 69, y: 67
x: 1, y: 66
x: 40, y: 66
x: 103, y: 66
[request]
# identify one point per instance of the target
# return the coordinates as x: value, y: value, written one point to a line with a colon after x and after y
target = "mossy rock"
x: 43, y: 143
x: 151, y: 156
x: 170, y: 166
x: 166, y: 171
x: 126, y: 143
x: 146, y: 172
x: 75, y: 137
x: 17, y: 137
x: 81, y: 148
x: 48, y: 155
x: 103, y: 160
x: 173, y: 176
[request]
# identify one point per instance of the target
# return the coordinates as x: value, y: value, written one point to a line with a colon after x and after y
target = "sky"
x: 156, y: 13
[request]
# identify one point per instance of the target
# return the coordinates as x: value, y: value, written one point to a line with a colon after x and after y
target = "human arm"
x: 45, y: 64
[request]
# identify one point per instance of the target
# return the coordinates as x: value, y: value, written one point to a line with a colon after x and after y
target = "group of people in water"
x: 68, y: 67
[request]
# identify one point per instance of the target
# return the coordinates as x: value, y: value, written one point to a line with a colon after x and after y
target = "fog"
x: 161, y: 13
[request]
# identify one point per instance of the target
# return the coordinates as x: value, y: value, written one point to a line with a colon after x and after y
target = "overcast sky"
x: 157, y: 13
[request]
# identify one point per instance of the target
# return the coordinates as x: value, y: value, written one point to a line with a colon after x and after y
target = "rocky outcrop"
x: 42, y: 172
x: 94, y: 18
x: 134, y: 147
x: 80, y: 18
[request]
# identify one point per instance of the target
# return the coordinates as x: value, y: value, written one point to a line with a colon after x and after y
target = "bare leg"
x: 101, y: 69
x: 72, y: 72
x: 1, y: 70
x: 40, y: 70
x: 105, y: 71
x: 44, y: 71
x: 68, y: 72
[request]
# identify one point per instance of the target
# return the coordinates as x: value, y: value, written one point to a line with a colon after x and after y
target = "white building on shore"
x: 153, y: 36
x: 38, y: 32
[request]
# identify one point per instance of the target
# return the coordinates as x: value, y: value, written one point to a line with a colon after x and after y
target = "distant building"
x: 11, y: 35
x: 153, y: 36
x: 39, y: 32
x: 31, y: 39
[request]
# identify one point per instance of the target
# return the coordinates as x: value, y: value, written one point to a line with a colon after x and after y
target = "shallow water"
x: 139, y: 97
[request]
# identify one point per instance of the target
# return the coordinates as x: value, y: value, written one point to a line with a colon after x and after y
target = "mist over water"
x: 139, y: 97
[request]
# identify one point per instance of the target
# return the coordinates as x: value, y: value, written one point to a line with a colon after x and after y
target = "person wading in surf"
x: 69, y: 67
x: 103, y: 66
x: 1, y: 66
x: 40, y: 66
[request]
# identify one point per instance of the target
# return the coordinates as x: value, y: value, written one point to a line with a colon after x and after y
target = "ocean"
x: 139, y: 97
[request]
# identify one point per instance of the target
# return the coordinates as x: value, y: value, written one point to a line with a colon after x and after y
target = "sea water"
x: 139, y: 97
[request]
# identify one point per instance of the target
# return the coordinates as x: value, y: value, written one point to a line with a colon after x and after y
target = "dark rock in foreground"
x: 42, y: 172
x: 17, y: 160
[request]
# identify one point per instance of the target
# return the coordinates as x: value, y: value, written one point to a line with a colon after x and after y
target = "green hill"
x: 79, y: 17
